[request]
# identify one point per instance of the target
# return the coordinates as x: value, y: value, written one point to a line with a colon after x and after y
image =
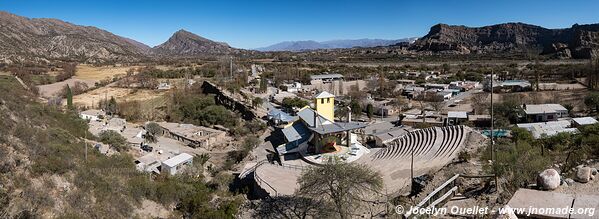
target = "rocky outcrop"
x: 579, y: 41
x: 184, y: 43
x: 549, y: 179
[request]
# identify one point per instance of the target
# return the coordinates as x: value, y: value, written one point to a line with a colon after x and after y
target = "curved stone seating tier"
x: 426, y: 143
x: 433, y: 148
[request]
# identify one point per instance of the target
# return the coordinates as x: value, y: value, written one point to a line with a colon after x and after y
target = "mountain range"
x: 295, y: 46
x: 578, y: 41
x: 43, y: 40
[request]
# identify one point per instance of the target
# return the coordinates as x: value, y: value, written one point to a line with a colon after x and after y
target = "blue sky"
x: 257, y: 23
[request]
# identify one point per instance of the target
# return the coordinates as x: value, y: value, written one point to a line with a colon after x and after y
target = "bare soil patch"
x: 92, y: 98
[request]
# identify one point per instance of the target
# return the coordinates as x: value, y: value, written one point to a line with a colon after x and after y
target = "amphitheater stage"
x: 345, y: 154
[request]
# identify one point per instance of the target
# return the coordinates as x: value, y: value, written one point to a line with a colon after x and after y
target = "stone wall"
x: 221, y: 98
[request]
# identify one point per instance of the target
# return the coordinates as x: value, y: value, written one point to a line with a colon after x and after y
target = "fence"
x: 440, y: 194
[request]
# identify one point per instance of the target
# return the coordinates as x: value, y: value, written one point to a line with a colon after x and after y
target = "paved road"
x: 264, y: 148
x: 462, y: 96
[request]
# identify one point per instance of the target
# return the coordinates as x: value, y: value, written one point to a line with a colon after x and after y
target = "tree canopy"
x: 342, y: 184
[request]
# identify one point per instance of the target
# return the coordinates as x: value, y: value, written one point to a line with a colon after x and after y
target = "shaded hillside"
x: 579, y: 41
x: 45, y: 171
x: 40, y: 40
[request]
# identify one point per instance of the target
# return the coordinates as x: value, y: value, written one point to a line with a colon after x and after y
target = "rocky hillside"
x: 184, y: 43
x: 41, y: 40
x: 44, y: 40
x: 579, y: 41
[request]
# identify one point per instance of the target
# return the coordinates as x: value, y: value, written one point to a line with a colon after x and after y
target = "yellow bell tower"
x: 325, y: 105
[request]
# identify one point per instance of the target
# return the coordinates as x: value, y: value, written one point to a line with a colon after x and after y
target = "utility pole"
x: 105, y: 101
x: 493, y: 154
x: 382, y: 112
x: 85, y: 145
x: 492, y: 122
x: 231, y: 66
x: 412, y: 170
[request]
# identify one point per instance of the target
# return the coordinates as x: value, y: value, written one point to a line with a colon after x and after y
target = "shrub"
x: 114, y: 139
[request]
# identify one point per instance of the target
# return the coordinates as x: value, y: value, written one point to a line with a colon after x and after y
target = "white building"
x: 164, y: 86
x: 92, y: 115
x: 292, y: 87
x: 551, y: 128
x: 581, y: 121
x: 544, y: 112
x: 176, y: 163
x: 325, y: 78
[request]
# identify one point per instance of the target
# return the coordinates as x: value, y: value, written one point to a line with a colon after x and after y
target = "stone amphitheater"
x: 432, y: 149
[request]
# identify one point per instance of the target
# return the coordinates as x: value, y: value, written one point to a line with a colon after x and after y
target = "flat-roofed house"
x: 456, y: 117
x: 544, y: 112
x: 325, y: 78
x: 92, y: 115
x: 192, y: 135
x: 509, y: 86
x: 175, y: 164
x: 541, y: 129
x: 582, y: 121
x: 436, y: 86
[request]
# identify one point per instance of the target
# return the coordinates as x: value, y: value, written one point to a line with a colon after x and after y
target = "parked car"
x: 147, y: 148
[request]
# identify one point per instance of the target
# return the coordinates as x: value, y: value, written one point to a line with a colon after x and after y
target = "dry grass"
x: 88, y: 72
x: 574, y: 97
x: 50, y: 90
x: 93, y: 97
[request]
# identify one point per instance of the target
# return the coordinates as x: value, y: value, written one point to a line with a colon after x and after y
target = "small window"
x: 328, y: 100
x: 322, y: 101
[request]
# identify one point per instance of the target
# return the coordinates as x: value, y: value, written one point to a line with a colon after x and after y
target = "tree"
x: 592, y: 78
x: 69, y: 97
x: 369, y: 110
x: 399, y: 102
x: 480, y: 103
x: 592, y: 101
x: 344, y: 185
x: 111, y: 106
x: 437, y: 105
x: 520, y: 134
x: 153, y: 128
x: 114, y: 139
x: 152, y: 132
x: 569, y: 107
x: 295, y: 102
x: 257, y: 101
x: 292, y: 207
x: 263, y: 85
x: 356, y: 108
x: 445, y: 68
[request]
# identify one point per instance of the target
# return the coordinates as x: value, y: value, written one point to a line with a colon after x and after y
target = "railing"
x: 252, y: 169
x: 438, y: 195
x: 260, y: 181
x: 295, y: 167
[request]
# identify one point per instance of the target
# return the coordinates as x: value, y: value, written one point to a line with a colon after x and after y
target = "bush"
x: 114, y: 139
x: 295, y: 102
x: 154, y: 129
